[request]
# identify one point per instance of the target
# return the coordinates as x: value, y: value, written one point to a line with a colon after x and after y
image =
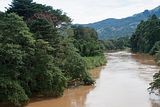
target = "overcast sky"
x: 88, y: 11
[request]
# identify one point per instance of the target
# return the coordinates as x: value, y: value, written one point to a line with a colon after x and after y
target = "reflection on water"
x: 122, y: 83
x: 144, y: 59
x: 147, y: 66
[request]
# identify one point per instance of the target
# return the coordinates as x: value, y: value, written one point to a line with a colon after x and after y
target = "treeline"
x: 40, y: 52
x: 146, y: 36
x: 117, y: 44
x: 88, y: 45
x: 146, y: 39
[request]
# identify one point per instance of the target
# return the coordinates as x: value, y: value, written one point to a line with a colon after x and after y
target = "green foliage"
x: 115, y: 44
x: 146, y: 35
x: 70, y: 61
x: 155, y: 48
x: 88, y: 45
x: 94, y: 61
x: 22, y: 8
x: 15, y: 46
x: 12, y: 91
x: 27, y: 9
x: 155, y: 85
x: 28, y: 61
x: 86, y: 41
x: 146, y: 39
x: 40, y: 54
x: 109, y: 45
x: 48, y: 78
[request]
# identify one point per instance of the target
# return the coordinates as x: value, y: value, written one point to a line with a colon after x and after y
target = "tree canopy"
x: 146, y: 39
x: 38, y: 54
x: 146, y: 35
x: 86, y: 41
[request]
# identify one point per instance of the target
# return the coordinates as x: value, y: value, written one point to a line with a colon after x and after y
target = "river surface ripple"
x: 123, y: 82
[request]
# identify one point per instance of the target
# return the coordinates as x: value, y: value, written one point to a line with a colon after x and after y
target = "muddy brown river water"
x: 123, y: 82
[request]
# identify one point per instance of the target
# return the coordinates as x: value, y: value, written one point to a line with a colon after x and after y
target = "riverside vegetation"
x: 41, y: 51
x: 146, y: 39
x: 117, y: 43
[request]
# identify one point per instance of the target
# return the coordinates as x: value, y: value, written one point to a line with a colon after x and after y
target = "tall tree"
x: 146, y: 35
x: 86, y: 41
x: 16, y: 47
x: 22, y: 7
x: 29, y: 9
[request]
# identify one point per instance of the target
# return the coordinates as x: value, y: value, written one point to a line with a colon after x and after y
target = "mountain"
x: 114, y: 28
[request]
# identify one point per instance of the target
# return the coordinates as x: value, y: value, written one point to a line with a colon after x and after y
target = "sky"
x: 89, y: 11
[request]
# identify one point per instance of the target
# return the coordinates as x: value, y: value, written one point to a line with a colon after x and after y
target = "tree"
x: 146, y: 39
x: 48, y: 78
x: 26, y: 64
x: 23, y: 8
x: 65, y: 54
x: 37, y: 56
x: 86, y: 41
x: 146, y: 35
x: 72, y: 64
x: 11, y: 91
x: 155, y: 48
x: 29, y: 9
x: 155, y: 85
x: 16, y: 44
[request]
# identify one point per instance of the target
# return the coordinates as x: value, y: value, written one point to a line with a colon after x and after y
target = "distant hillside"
x: 114, y: 28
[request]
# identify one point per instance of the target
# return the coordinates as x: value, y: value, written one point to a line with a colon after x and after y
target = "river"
x: 123, y: 82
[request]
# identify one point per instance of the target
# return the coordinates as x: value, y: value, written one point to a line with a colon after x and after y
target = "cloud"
x: 87, y: 11
x: 4, y: 4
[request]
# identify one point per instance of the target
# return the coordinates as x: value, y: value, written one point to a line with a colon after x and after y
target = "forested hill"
x: 115, y: 28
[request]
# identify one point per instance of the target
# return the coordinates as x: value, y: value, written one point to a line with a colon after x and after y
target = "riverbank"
x: 73, y: 97
x: 93, y: 68
x: 95, y: 61
x: 122, y: 82
x: 91, y: 63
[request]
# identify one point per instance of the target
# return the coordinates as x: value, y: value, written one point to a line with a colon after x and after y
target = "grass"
x: 95, y: 61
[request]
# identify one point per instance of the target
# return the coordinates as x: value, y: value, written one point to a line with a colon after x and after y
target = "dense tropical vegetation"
x: 146, y: 39
x: 146, y: 36
x: 117, y: 44
x: 41, y: 52
x: 88, y: 45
